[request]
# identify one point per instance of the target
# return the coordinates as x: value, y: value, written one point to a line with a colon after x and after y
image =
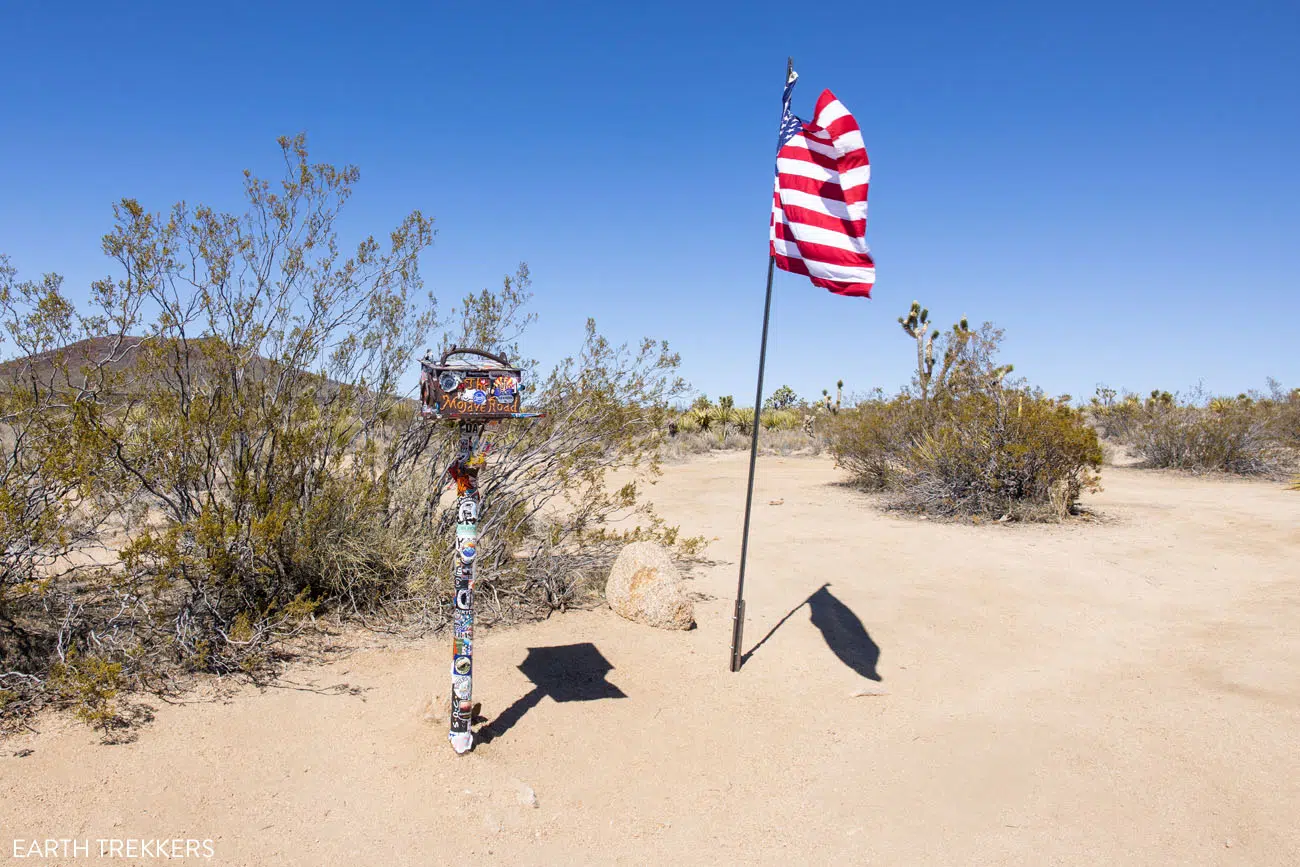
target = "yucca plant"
x: 786, y: 419
x: 701, y: 417
x: 722, y: 416
x: 688, y: 422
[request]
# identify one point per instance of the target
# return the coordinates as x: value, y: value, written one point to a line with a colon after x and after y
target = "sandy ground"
x: 1125, y: 691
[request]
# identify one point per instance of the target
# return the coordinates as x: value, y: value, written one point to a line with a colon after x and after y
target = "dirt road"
x: 1118, y: 692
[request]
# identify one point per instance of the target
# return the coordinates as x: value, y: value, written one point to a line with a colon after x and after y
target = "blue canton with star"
x: 790, y: 125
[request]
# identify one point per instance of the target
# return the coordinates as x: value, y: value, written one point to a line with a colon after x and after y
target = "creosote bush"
x: 1250, y: 434
x: 221, y: 439
x: 962, y: 442
x: 88, y: 684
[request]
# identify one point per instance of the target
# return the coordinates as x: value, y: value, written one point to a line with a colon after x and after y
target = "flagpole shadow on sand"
x: 841, y: 629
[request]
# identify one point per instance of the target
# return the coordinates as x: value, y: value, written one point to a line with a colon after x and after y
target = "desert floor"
x: 1117, y: 691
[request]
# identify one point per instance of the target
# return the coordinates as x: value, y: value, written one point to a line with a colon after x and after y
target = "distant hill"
x: 124, y: 354
x: 121, y: 354
x: 91, y: 351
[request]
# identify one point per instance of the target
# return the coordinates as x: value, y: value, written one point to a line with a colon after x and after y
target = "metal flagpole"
x: 738, y: 618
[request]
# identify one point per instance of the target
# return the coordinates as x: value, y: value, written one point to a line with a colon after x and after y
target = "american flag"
x: 819, y: 207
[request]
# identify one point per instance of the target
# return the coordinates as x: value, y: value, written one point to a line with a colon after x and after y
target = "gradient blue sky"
x: 1114, y: 183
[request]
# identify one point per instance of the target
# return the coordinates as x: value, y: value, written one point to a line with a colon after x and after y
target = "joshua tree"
x: 783, y: 398
x: 967, y: 354
x: 917, y: 326
x: 839, y: 391
x: 961, y: 335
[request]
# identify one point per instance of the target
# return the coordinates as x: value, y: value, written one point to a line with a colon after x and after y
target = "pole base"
x: 737, y: 634
x: 462, y: 742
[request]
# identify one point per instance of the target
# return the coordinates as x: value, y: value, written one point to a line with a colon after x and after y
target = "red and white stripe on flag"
x: 819, y: 209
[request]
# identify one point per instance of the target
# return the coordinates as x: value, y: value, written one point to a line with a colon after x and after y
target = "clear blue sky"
x: 1115, y: 183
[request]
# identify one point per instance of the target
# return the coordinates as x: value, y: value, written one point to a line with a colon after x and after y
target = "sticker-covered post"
x: 475, y: 389
x: 464, y: 471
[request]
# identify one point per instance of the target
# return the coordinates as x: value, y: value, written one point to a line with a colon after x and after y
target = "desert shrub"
x: 1116, y: 417
x: 1233, y: 435
x: 53, y: 502
x: 1250, y: 434
x: 251, y: 444
x: 787, y: 442
x: 963, y: 442
x: 868, y: 439
x: 258, y: 404
x: 687, y: 445
x: 49, y: 504
x: 782, y: 442
x: 1284, y: 409
x: 1001, y: 451
x: 89, y: 685
x: 990, y: 453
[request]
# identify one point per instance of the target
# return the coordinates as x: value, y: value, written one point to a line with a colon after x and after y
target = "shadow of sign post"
x: 568, y: 672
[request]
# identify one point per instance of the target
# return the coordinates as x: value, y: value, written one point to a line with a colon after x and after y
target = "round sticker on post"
x: 479, y: 397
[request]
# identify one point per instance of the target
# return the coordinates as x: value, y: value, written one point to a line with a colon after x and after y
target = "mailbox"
x: 469, y: 385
